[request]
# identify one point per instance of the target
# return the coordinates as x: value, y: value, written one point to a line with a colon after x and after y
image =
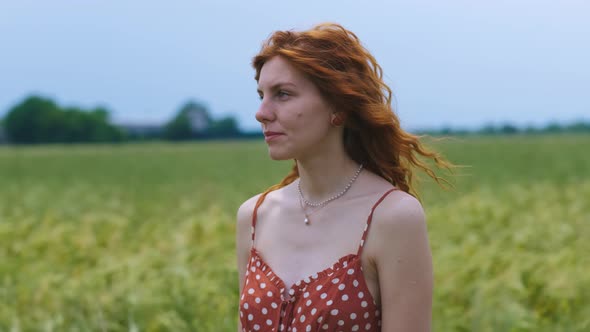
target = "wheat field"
x: 140, y: 237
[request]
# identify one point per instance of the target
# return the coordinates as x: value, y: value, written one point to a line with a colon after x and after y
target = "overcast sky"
x: 458, y: 63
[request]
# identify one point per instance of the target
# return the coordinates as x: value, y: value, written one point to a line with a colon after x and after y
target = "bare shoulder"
x: 244, y: 214
x: 398, y: 215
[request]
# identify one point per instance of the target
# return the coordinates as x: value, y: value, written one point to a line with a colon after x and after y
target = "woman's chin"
x: 279, y: 155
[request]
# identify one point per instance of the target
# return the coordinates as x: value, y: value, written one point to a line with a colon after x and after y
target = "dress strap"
x: 369, y: 219
x: 254, y: 215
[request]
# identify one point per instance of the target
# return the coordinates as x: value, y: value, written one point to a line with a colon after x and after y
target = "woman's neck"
x: 323, y: 177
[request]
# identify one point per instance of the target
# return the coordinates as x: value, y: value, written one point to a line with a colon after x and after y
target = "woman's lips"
x: 269, y: 136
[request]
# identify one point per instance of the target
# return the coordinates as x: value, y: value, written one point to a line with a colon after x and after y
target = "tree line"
x: 40, y: 120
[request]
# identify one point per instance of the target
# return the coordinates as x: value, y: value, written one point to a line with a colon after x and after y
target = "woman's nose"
x: 265, y: 112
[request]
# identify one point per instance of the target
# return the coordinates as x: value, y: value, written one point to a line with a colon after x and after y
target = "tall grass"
x: 141, y: 237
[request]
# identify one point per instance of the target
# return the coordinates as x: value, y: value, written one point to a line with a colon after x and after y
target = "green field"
x: 140, y: 237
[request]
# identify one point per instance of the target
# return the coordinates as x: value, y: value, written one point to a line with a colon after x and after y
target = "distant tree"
x: 508, y: 129
x: 529, y: 129
x: 488, y: 129
x: 192, y: 120
x: 225, y: 127
x: 33, y: 121
x: 553, y: 127
x: 578, y: 127
x: 40, y: 120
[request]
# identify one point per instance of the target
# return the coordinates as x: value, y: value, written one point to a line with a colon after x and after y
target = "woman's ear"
x: 337, y: 119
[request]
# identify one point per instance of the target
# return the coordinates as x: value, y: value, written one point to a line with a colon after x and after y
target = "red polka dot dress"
x: 335, y: 299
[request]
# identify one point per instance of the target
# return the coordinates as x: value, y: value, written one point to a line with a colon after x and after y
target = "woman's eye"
x: 282, y: 94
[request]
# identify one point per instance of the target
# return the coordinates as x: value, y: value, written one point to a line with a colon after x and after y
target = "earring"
x: 337, y: 121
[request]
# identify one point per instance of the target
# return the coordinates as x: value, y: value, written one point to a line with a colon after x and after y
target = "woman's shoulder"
x: 246, y: 209
x: 273, y: 199
x: 399, y: 215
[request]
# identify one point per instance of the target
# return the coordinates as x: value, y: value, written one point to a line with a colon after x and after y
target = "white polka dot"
x: 251, y: 291
x: 256, y: 327
x: 257, y: 300
x: 323, y: 296
x: 274, y: 305
x: 241, y: 313
x: 308, y: 302
x: 299, y: 310
x: 334, y: 312
x: 308, y: 328
x: 258, y: 277
x: 250, y: 317
x: 264, y: 311
x: 291, y: 291
x: 355, y: 328
x: 253, y: 269
x: 246, y: 306
x: 263, y: 285
x: 258, y: 264
x: 340, y: 322
x: 307, y: 281
x: 298, y: 283
x: 352, y: 316
x: 355, y: 283
x: 350, y: 271
x: 366, y: 315
x: 329, y: 302
x: 269, y: 294
x: 320, y: 319
x: 313, y: 311
x: 335, y: 280
x: 361, y: 295
x: 364, y: 304
x: 344, y: 297
x: 268, y: 322
x: 302, y: 319
x: 325, y: 326
x: 368, y: 326
x: 305, y: 295
x: 341, y: 286
x: 319, y: 287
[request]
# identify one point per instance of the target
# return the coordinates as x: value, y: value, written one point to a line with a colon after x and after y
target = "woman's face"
x: 295, y: 117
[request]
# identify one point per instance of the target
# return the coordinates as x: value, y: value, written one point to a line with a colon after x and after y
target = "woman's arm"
x: 244, y: 241
x: 404, y: 265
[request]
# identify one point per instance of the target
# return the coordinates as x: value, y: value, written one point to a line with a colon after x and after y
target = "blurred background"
x: 128, y: 141
x: 456, y: 65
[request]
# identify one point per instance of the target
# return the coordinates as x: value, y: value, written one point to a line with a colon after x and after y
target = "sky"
x: 462, y: 64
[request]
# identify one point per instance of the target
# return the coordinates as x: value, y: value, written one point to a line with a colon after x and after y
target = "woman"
x: 341, y: 243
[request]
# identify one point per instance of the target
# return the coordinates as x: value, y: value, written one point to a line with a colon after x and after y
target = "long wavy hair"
x: 350, y: 78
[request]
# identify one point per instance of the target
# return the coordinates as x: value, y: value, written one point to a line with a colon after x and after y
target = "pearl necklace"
x: 324, y: 202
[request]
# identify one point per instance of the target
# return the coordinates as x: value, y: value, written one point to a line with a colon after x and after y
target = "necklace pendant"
x: 306, y: 221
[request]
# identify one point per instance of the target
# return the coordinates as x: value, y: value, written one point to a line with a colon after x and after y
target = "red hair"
x: 350, y: 78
